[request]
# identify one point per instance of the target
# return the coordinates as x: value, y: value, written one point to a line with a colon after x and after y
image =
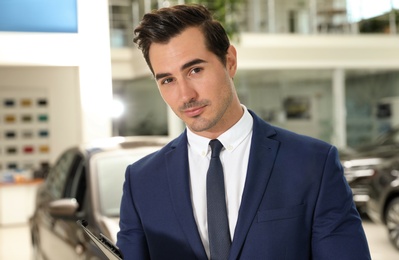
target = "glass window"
x: 282, y: 16
x: 58, y: 175
x: 76, y: 185
x: 372, y: 101
x: 121, y: 23
x: 145, y: 111
x: 109, y: 169
x: 299, y: 100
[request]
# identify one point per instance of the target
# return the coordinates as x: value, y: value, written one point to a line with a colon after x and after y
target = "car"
x: 385, y: 145
x: 359, y: 163
x: 383, y: 203
x: 358, y: 172
x: 85, y: 183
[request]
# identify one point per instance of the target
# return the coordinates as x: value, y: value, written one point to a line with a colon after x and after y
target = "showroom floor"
x: 15, y: 243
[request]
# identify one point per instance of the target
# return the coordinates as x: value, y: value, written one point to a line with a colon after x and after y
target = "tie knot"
x: 216, y: 147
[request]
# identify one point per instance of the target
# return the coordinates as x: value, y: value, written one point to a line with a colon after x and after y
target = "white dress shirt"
x: 234, y: 157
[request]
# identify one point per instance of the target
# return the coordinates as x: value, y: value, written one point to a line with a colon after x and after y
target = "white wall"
x: 83, y: 91
x: 262, y: 51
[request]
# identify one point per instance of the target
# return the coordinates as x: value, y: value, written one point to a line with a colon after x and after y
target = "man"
x: 285, y: 194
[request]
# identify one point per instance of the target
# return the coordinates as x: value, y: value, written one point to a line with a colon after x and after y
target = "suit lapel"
x: 261, y: 159
x: 179, y: 186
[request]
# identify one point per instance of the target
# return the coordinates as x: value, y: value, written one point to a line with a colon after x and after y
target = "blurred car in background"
x: 383, y: 205
x: 85, y: 183
x: 360, y: 163
x: 358, y: 172
x: 385, y: 145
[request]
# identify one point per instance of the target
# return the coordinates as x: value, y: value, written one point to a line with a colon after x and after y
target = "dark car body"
x: 359, y: 164
x: 84, y: 183
x: 383, y: 205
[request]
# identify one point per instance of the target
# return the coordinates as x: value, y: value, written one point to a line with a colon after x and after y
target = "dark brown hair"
x: 161, y: 25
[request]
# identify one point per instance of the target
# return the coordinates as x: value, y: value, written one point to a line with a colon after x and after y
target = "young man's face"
x: 195, y: 84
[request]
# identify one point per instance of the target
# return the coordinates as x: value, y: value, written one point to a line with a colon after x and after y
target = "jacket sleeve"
x: 130, y: 239
x: 337, y: 231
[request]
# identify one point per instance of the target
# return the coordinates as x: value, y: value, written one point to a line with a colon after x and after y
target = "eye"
x: 166, y: 81
x: 195, y: 70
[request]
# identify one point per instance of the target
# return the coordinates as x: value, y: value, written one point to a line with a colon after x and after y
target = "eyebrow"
x: 183, y: 67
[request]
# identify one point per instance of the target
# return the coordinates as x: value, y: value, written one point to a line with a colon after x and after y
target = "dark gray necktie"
x: 218, y: 224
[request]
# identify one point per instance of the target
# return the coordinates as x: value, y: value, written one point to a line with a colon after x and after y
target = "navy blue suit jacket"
x: 296, y: 204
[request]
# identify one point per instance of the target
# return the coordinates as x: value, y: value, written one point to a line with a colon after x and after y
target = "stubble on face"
x: 216, y: 112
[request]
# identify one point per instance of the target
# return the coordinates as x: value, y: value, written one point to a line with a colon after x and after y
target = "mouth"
x: 194, y: 111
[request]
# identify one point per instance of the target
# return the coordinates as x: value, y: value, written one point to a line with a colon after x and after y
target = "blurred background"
x: 70, y: 74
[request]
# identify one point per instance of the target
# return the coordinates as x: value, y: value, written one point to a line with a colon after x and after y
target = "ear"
x: 231, y: 61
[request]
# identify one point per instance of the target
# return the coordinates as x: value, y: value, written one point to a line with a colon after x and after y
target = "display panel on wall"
x: 39, y: 16
x: 24, y: 129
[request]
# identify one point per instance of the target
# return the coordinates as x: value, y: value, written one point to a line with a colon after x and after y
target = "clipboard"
x: 110, y: 250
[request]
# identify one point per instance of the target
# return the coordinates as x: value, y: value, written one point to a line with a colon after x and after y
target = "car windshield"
x: 391, y: 137
x: 387, y: 138
x: 110, y: 172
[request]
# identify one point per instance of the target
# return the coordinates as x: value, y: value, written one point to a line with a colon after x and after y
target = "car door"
x: 56, y: 239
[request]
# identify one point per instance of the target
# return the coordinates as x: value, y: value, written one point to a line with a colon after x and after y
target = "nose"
x: 187, y: 91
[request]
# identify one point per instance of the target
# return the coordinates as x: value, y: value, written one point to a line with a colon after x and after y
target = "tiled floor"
x: 15, y: 243
x: 380, y: 247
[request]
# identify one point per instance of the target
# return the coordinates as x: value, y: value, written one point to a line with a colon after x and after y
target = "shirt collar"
x: 230, y: 139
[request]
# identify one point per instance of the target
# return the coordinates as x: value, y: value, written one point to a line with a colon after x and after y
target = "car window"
x: 76, y: 184
x: 74, y: 173
x: 389, y: 138
x: 110, y: 170
x: 58, y: 176
x: 395, y: 138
